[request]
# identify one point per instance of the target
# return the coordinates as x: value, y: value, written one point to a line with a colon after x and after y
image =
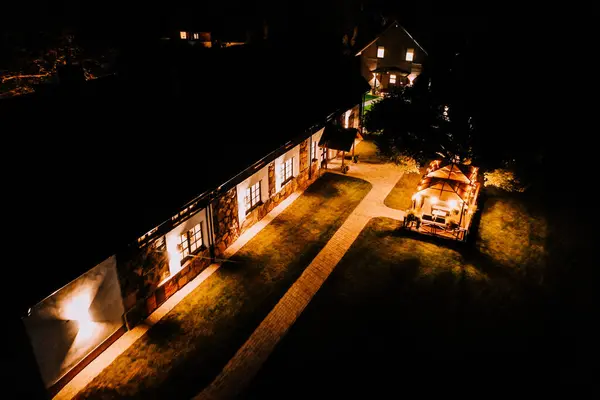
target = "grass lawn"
x: 411, y: 315
x: 189, y: 347
x: 369, y: 96
x: 400, y: 196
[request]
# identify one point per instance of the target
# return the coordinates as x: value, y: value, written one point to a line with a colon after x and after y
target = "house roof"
x: 95, y: 168
x: 392, y: 24
x: 337, y: 138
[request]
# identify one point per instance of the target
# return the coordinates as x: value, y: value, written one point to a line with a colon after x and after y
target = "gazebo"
x: 445, y: 200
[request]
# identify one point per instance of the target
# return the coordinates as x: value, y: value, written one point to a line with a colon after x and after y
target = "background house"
x: 393, y: 58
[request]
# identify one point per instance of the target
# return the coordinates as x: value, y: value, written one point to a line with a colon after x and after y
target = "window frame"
x: 284, y: 178
x: 185, y: 244
x: 250, y: 198
x: 183, y: 35
x: 392, y: 79
x: 412, y: 55
x: 314, y: 151
x: 382, y: 48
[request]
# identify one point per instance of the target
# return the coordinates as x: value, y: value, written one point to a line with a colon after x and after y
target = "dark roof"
x: 94, y: 168
x: 367, y: 39
x: 337, y: 138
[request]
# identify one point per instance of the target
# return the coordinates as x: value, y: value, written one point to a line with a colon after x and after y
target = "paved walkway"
x: 92, y: 370
x: 248, y: 360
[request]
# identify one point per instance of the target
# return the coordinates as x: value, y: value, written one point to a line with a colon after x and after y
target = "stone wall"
x: 304, y: 155
x: 225, y: 221
x: 272, y: 187
x: 141, y: 301
x: 300, y: 182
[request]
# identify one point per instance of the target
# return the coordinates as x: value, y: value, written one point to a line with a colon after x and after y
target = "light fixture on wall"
x: 174, y: 254
x: 77, y: 309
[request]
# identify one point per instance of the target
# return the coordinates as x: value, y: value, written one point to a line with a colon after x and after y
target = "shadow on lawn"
x: 164, y: 331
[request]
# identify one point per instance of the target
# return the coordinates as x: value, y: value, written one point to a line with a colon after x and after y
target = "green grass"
x: 411, y: 314
x: 369, y: 96
x: 400, y: 196
x: 189, y: 347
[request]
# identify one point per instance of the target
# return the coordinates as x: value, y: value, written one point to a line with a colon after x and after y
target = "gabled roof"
x: 444, y: 189
x: 448, y: 182
x: 453, y: 172
x: 383, y: 32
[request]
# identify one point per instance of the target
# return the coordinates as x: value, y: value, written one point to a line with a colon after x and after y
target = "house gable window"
x: 410, y: 54
x: 287, y: 172
x: 191, y: 241
x: 253, y: 197
x: 183, y: 35
x: 392, y: 79
x: 380, y: 51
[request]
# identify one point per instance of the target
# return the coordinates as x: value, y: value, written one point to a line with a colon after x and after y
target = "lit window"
x: 393, y: 79
x: 410, y: 54
x: 252, y: 198
x: 286, y: 171
x: 314, y: 150
x: 196, y: 36
x: 183, y: 35
x: 160, y: 245
x: 380, y: 51
x: 191, y: 241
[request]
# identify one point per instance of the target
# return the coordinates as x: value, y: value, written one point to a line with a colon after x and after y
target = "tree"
x: 409, y: 123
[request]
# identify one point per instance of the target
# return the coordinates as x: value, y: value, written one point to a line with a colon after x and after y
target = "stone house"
x: 160, y: 182
x: 393, y: 58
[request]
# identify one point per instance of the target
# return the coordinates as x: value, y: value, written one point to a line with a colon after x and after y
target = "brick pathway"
x: 244, y: 365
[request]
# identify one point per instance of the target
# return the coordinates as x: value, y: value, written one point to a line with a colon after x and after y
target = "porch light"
x: 433, y: 200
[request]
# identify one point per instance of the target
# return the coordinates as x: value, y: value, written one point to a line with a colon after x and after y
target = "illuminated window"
x: 183, y: 35
x: 393, y: 79
x: 191, y: 241
x: 286, y: 171
x: 160, y: 245
x: 196, y: 36
x: 252, y: 197
x: 410, y: 54
x: 380, y: 51
x: 314, y: 150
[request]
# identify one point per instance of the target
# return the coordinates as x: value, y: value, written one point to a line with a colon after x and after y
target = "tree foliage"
x: 409, y: 123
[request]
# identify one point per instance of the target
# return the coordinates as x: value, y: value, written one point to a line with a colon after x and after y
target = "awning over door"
x: 337, y: 138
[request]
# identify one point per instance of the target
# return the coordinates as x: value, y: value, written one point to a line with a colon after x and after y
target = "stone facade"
x: 302, y: 181
x: 272, y: 187
x: 141, y: 296
x: 304, y: 155
x: 225, y: 220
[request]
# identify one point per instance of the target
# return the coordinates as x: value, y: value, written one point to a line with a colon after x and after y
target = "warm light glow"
x: 416, y: 198
x: 453, y: 204
x: 433, y: 200
x: 410, y: 54
x: 174, y: 255
x: 411, y: 78
x: 183, y: 35
x: 347, y: 119
x: 196, y: 36
x: 77, y: 309
x: 393, y: 78
x: 380, y: 51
